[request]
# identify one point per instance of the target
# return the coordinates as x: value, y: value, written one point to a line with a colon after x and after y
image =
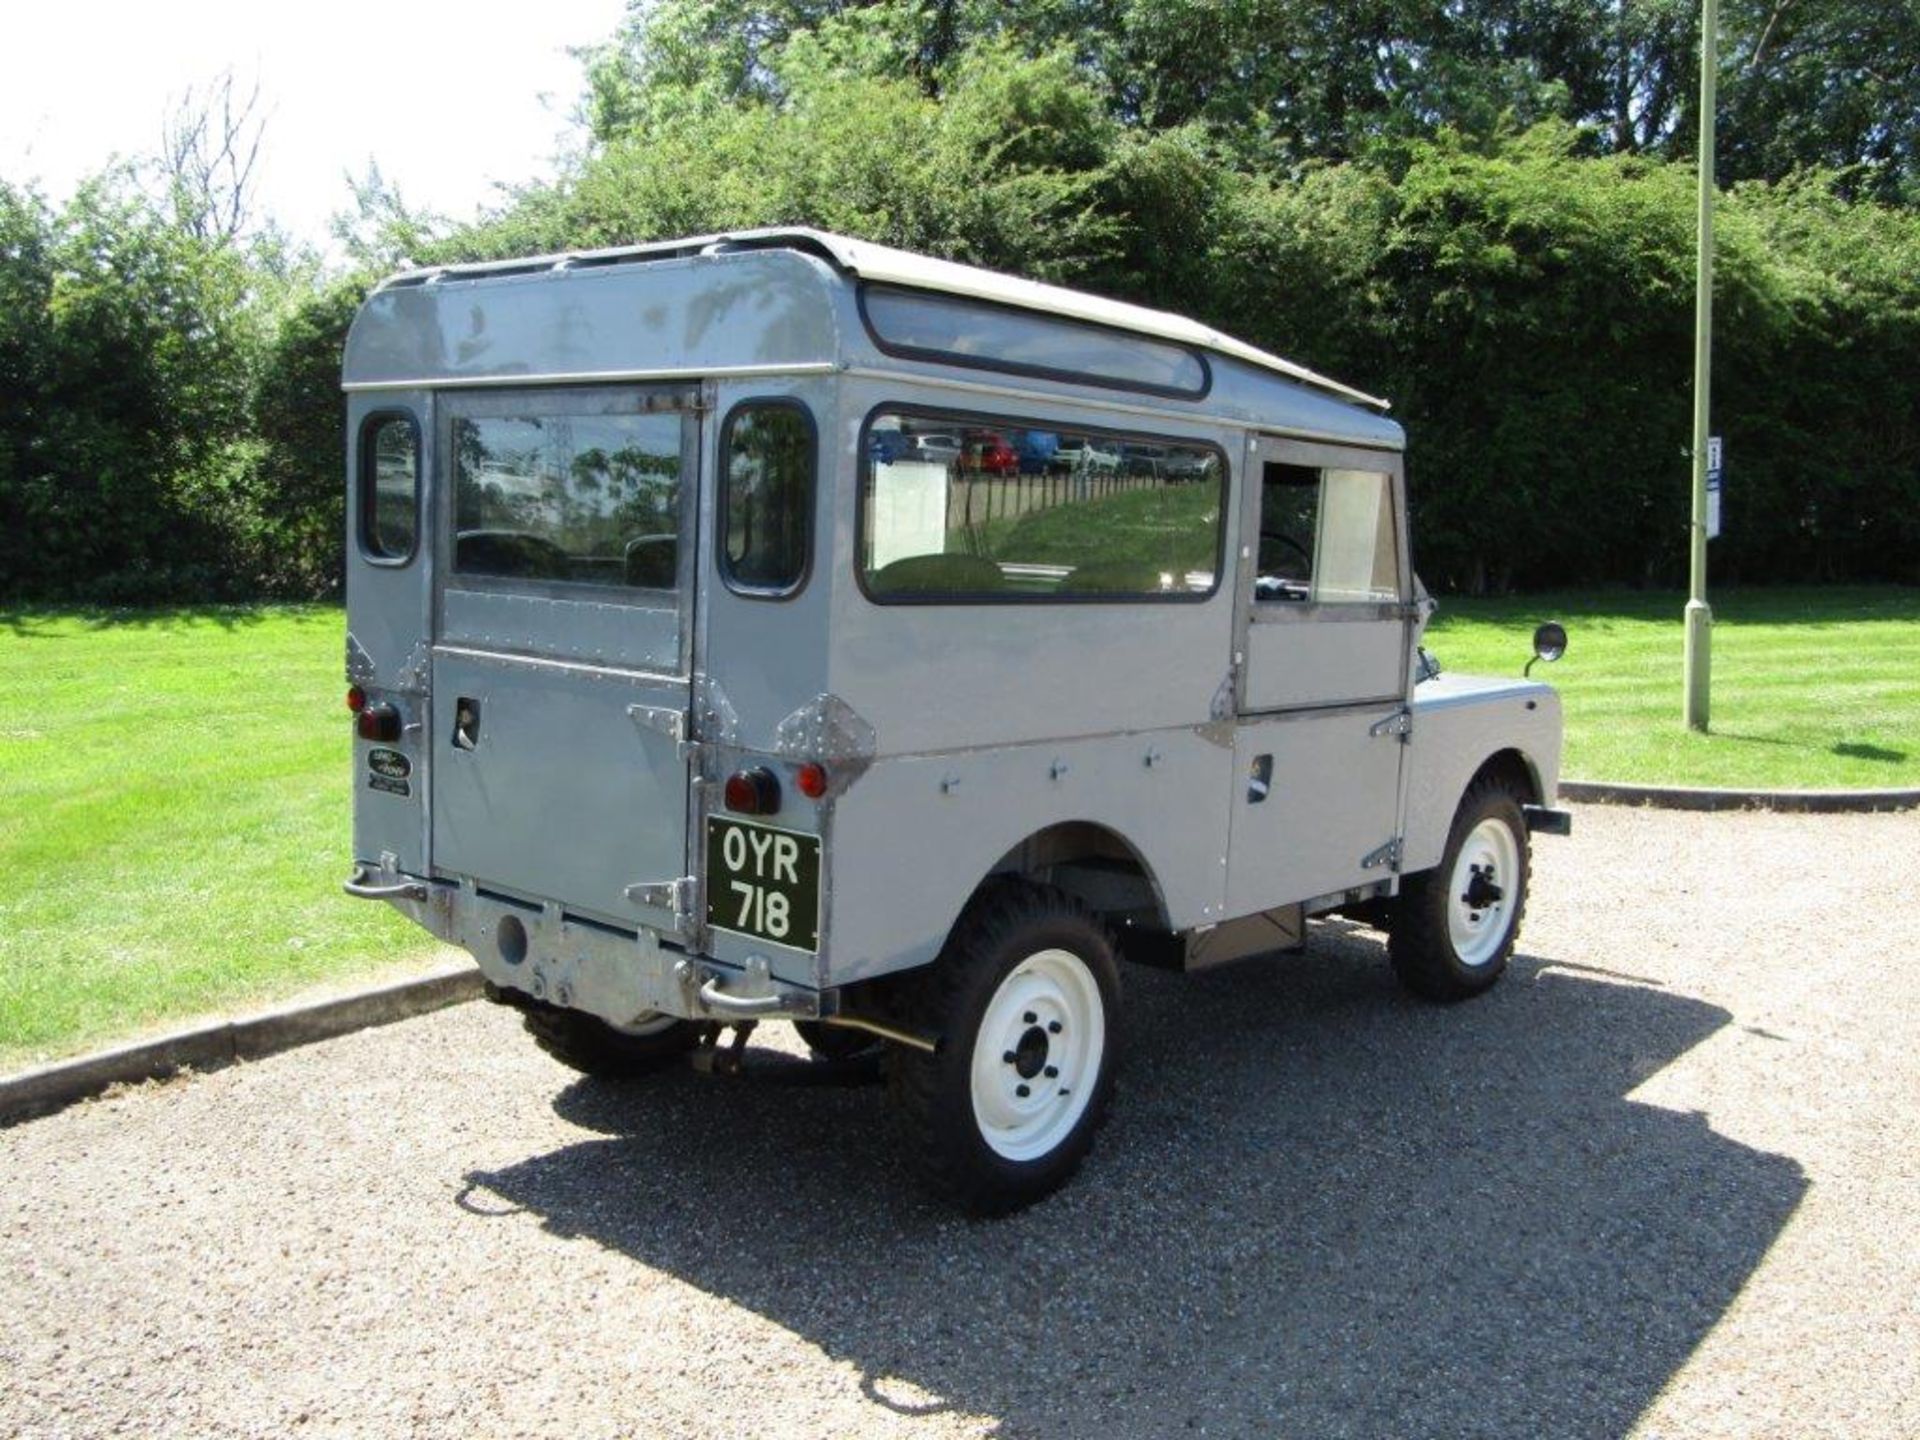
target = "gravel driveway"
x: 1664, y: 1180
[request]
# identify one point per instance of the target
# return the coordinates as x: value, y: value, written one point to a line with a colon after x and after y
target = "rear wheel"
x: 594, y: 1047
x: 1453, y: 927
x: 1024, y: 999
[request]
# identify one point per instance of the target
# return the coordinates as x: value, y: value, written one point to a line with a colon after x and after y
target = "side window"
x: 1327, y: 537
x: 766, y: 501
x: 957, y: 508
x: 389, y: 486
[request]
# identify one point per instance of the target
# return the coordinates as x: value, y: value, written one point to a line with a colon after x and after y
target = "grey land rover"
x: 774, y: 626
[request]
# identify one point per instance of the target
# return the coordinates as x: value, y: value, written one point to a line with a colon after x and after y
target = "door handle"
x: 1260, y: 779
x: 466, y: 723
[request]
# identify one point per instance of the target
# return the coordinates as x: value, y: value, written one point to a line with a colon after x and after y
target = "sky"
x: 448, y: 98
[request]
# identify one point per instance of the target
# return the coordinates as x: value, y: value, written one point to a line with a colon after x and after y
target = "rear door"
x: 564, y: 645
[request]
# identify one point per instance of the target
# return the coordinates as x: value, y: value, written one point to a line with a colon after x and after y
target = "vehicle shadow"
x: 1319, y: 1209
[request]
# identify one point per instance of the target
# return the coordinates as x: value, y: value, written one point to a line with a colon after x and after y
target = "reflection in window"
x: 1326, y: 537
x: 965, y: 332
x: 585, y: 499
x: 767, y: 461
x: 389, y: 486
x: 956, y: 509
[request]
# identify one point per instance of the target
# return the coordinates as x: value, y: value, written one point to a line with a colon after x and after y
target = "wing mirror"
x: 1549, y: 644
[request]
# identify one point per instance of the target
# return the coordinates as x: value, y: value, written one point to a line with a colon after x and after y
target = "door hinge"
x: 671, y: 895
x: 1387, y: 855
x: 1399, y: 723
x: 669, y: 721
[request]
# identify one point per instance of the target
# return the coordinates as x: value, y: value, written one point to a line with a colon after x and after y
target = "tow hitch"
x: 713, y: 1058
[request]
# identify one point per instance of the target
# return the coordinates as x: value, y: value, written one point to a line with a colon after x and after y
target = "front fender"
x: 1460, y: 723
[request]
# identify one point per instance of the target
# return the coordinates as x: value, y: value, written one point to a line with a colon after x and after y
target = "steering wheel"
x: 1291, y: 543
x: 1285, y: 587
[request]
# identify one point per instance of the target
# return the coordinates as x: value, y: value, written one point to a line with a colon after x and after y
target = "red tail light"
x: 378, y: 722
x: 753, y: 792
x: 356, y: 699
x: 812, y: 779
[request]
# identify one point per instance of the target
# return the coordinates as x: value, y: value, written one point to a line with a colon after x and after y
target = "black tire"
x: 958, y: 1154
x: 588, y: 1044
x: 837, y: 1044
x: 1420, y: 939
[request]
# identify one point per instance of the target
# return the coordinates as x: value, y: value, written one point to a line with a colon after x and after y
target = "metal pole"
x: 1699, y: 652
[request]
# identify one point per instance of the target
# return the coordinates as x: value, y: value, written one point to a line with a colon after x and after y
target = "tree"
x: 382, y: 232
x: 1284, y: 83
x: 209, y: 148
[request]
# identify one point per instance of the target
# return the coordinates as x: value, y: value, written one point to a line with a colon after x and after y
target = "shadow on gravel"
x: 1318, y: 1209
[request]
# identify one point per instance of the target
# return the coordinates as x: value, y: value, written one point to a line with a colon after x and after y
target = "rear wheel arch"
x: 1092, y: 862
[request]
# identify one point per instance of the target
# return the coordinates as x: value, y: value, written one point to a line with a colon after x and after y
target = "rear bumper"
x: 622, y: 976
x: 1547, y: 820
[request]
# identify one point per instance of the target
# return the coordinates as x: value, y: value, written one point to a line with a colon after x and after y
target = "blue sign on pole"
x: 1713, y: 487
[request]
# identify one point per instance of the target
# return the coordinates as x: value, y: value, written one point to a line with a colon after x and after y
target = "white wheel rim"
x: 1044, y: 1033
x: 1482, y: 892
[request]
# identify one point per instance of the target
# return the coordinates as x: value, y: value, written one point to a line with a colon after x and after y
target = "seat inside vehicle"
x: 937, y: 575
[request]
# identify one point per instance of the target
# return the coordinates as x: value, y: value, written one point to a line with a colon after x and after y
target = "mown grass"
x: 1812, y: 688
x: 173, y: 821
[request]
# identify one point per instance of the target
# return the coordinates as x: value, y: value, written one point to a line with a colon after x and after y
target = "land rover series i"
x: 774, y: 626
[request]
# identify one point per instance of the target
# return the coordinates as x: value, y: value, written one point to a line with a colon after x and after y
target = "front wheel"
x: 1024, y: 999
x: 1453, y: 927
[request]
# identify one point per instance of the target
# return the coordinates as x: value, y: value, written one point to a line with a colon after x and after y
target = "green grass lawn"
x: 173, y: 821
x: 1812, y: 689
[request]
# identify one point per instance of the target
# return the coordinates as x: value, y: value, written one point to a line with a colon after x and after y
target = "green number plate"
x: 764, y: 882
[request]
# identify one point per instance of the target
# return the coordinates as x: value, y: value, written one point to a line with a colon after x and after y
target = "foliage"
x: 139, y: 363
x: 1284, y: 83
x: 174, y: 418
x: 1530, y: 311
x: 300, y: 419
x: 1002, y: 170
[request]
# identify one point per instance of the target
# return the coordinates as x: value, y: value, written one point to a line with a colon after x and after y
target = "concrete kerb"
x: 1690, y: 797
x: 53, y: 1087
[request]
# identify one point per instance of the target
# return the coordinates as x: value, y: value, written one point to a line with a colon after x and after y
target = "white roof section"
x: 923, y: 272
x: 887, y: 266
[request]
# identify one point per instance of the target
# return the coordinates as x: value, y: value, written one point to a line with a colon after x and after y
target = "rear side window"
x: 964, y: 509
x: 586, y: 499
x: 767, y: 450
x: 389, y: 486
